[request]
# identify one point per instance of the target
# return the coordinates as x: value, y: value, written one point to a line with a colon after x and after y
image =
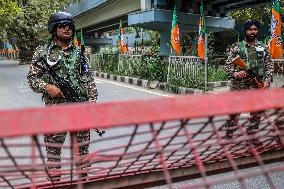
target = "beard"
x: 250, y: 38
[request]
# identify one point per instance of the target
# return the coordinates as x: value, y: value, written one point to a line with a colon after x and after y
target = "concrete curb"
x: 219, y: 84
x: 147, y: 84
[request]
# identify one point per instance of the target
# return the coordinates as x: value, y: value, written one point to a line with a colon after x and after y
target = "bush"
x: 155, y: 68
x: 188, y: 82
x: 217, y: 74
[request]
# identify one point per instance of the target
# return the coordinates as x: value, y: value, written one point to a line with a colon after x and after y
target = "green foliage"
x: 211, y: 50
x: 8, y: 7
x: 154, y: 43
x: 198, y: 82
x: 261, y: 13
x: 188, y: 82
x: 153, y: 68
x: 217, y: 74
x: 107, y: 63
x: 27, y: 22
x: 223, y: 39
x: 191, y: 42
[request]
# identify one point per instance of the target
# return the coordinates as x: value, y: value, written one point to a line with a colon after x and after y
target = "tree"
x: 27, y: 22
x: 261, y: 13
x: 8, y: 9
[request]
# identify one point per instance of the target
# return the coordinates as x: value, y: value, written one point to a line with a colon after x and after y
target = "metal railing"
x: 126, y: 62
x: 10, y: 54
x: 184, y: 67
x: 96, y: 61
x: 104, y: 62
x: 278, y: 67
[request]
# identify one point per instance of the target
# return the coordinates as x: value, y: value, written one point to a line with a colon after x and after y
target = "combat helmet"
x: 59, y: 18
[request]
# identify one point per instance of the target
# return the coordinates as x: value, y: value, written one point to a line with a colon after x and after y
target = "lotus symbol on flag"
x: 200, y: 38
x: 274, y: 23
x: 176, y: 39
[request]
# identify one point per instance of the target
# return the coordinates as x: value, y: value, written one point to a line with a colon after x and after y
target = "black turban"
x: 249, y: 23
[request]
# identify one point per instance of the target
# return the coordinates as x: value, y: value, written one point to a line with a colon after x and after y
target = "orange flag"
x: 175, y: 41
x: 121, y: 43
x: 201, y: 36
x: 75, y: 40
x: 276, y: 41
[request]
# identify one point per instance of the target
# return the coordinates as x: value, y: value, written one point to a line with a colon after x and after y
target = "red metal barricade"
x: 146, y: 143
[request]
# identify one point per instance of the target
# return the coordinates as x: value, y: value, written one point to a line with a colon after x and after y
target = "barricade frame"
x: 115, y: 115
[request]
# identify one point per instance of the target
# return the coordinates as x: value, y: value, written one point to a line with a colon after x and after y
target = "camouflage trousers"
x: 252, y: 127
x: 54, y: 142
x: 232, y: 122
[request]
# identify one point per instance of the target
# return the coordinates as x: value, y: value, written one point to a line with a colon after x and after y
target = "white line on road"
x: 135, y: 88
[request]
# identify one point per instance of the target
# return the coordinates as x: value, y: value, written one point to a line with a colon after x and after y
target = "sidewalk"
x: 278, y: 81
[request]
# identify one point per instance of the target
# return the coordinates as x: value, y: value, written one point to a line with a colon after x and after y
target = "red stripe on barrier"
x: 84, y: 116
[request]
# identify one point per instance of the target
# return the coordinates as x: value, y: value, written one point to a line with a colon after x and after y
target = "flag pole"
x: 205, y: 48
x: 206, y: 60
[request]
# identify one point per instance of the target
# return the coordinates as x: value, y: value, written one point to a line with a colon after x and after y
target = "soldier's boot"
x: 54, y: 173
x: 255, y: 141
x: 84, y: 168
x: 227, y: 138
x: 280, y: 138
x: 231, y: 126
x: 84, y: 176
x: 53, y: 167
x: 229, y: 135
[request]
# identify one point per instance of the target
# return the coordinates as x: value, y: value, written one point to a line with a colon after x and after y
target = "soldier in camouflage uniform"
x: 257, y: 56
x: 63, y: 57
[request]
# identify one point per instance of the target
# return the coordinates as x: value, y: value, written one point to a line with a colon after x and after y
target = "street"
x: 15, y: 92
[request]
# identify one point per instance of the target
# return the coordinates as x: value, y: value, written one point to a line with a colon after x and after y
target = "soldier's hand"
x: 53, y: 91
x: 240, y: 74
x: 92, y: 101
x: 266, y: 85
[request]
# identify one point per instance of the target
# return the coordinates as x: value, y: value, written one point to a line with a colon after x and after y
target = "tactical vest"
x: 254, y: 58
x: 67, y: 67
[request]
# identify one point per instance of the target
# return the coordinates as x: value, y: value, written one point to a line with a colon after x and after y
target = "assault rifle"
x: 83, y: 61
x: 69, y: 93
x: 241, y: 63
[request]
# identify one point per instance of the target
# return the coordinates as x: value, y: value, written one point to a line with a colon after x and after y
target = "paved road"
x: 14, y: 89
x: 15, y: 92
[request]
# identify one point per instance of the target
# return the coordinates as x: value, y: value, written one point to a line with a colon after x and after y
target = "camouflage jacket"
x: 231, y: 68
x: 38, y: 78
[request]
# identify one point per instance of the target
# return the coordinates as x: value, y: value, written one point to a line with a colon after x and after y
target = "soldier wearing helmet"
x: 257, y: 57
x: 62, y: 56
